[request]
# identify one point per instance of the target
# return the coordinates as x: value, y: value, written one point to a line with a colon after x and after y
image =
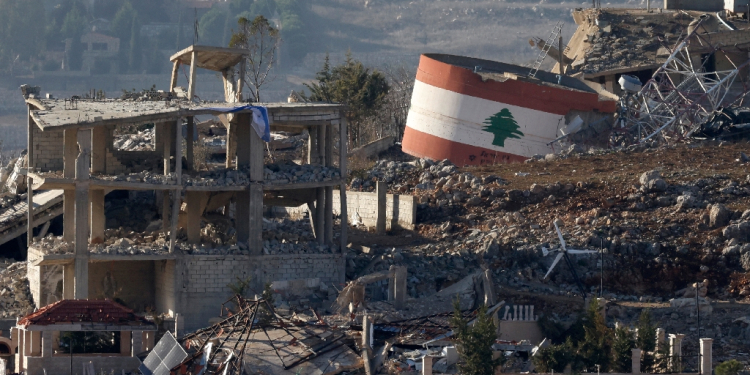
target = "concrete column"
x: 137, y: 343
x: 515, y: 312
x: 507, y: 310
x: 166, y: 143
x: 149, y: 339
x: 47, y: 340
x: 70, y: 153
x: 177, y: 194
x: 675, y: 351
x: 98, y: 149
x: 636, y: 361
x: 97, y: 216
x: 193, y: 216
x: 531, y: 309
x: 255, y: 219
x: 175, y: 74
x: 660, y: 337
x: 83, y: 165
x: 189, y: 142
x: 427, y: 365
x: 69, y: 271
x: 706, y: 356
x: 30, y: 181
x: 320, y: 214
x: 193, y: 67
x: 322, y: 138
x: 526, y: 313
x: 366, y: 325
x: 342, y: 188
x: 328, y: 210
x: 312, y: 145
x: 451, y: 355
x: 381, y: 189
x: 125, y: 338
x: 399, y: 290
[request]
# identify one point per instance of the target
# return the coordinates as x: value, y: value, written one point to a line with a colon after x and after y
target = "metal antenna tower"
x: 545, y: 50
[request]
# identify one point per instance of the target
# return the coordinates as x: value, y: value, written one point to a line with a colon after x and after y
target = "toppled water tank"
x: 630, y: 84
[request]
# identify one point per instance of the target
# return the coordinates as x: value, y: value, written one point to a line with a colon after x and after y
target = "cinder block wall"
x: 48, y: 149
x: 208, y: 276
x: 400, y: 210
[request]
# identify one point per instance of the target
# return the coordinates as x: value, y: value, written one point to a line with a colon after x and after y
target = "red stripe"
x: 514, y: 92
x: 426, y: 145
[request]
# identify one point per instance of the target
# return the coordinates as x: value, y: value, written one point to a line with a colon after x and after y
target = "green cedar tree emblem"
x: 503, y: 126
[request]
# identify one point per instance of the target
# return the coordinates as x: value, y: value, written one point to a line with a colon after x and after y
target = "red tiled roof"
x: 82, y: 311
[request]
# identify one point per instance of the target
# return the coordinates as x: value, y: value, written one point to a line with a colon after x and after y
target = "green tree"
x: 503, y: 126
x: 596, y: 346
x: 361, y: 89
x: 646, y: 340
x: 622, y: 350
x: 474, y: 342
x: 261, y: 40
x: 730, y: 367
x: 554, y: 357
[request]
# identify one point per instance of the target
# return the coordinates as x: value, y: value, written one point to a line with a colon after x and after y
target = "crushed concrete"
x: 15, y: 295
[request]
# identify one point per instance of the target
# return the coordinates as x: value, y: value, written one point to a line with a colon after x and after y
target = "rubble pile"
x: 141, y: 141
x: 15, y: 295
x: 287, y: 173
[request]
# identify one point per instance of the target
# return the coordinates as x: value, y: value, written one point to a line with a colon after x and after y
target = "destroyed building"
x: 207, y: 230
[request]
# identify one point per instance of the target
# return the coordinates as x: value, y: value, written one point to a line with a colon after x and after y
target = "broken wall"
x: 400, y: 210
x: 207, y: 277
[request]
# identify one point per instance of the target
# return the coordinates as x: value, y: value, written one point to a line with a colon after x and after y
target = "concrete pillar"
x: 312, y: 145
x: 125, y: 338
x: 526, y: 312
x: 70, y: 153
x: 193, y: 216
x: 427, y: 365
x: 342, y: 187
x: 660, y: 337
x: 507, y: 310
x: 69, y: 271
x: 97, y: 216
x: 193, y: 70
x: 255, y: 238
x: 30, y: 181
x: 47, y: 343
x: 399, y: 290
x: 531, y: 311
x: 189, y: 142
x: 706, y: 356
x: 148, y: 340
x: 328, y: 210
x: 137, y: 343
x: 451, y: 355
x: 320, y: 214
x: 83, y: 165
x: 166, y: 146
x: 366, y: 326
x: 675, y: 352
x: 515, y: 312
x: 636, y: 361
x: 98, y: 149
x: 175, y: 75
x: 381, y: 189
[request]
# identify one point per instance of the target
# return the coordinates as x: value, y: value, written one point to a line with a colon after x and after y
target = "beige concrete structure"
x: 82, y: 161
x: 38, y: 337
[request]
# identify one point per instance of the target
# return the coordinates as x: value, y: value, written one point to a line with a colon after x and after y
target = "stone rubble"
x: 15, y: 295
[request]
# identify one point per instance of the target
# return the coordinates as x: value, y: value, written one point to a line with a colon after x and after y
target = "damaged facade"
x: 209, y: 229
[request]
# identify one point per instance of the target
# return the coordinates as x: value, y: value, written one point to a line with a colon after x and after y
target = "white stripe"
x: 459, y: 118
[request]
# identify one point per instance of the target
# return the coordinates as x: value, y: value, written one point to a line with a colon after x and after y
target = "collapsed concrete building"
x: 176, y: 266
